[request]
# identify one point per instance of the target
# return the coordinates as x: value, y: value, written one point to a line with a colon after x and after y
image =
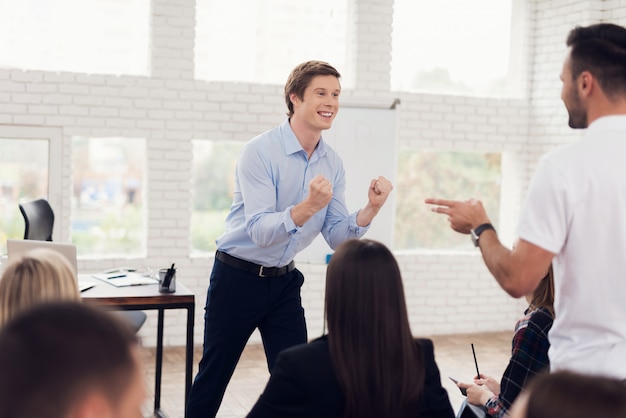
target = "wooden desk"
x: 143, y: 298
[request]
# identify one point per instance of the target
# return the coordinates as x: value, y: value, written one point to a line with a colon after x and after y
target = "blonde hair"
x: 41, y: 275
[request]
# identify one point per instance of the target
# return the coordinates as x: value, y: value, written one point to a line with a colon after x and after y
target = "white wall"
x: 446, y: 292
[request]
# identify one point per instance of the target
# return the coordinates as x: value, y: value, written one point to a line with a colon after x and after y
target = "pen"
x: 475, y: 362
x: 116, y: 277
x: 168, y: 277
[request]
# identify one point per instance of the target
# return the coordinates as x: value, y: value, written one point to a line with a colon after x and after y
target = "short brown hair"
x: 573, y: 395
x: 601, y: 50
x: 301, y: 77
x: 54, y: 354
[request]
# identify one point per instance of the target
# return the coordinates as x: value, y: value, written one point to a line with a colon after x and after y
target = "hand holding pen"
x: 492, y: 384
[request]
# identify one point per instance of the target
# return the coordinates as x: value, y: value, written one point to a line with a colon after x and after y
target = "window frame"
x: 54, y: 136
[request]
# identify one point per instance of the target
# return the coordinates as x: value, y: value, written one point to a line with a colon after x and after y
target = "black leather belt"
x: 250, y: 267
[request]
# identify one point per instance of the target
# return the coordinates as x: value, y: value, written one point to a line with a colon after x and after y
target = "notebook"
x: 17, y: 247
x: 124, y: 276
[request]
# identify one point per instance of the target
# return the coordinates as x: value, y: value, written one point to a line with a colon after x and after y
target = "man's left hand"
x: 379, y: 191
x: 462, y: 215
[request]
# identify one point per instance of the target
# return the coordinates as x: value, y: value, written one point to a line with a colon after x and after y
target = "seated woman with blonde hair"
x: 369, y: 365
x: 39, y: 276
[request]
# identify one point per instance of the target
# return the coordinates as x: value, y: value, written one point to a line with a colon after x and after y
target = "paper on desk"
x: 125, y: 278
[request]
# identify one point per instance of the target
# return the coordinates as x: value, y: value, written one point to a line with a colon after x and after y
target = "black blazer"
x: 303, y: 384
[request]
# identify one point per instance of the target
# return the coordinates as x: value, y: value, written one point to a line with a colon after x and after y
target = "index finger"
x: 440, y: 202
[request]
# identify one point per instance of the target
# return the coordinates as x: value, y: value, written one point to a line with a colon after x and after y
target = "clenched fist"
x: 320, y: 192
x: 379, y: 191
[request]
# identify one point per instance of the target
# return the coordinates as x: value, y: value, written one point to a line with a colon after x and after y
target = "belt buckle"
x: 261, y: 274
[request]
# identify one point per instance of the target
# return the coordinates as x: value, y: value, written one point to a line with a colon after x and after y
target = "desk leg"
x: 159, y: 364
x: 189, y: 354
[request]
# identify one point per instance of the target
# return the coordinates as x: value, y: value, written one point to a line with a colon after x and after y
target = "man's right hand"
x: 320, y: 193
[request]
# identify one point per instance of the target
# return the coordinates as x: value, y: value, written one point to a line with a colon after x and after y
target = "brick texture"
x: 446, y: 292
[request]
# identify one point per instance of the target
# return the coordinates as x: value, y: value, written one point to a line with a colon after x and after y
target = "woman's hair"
x: 573, y: 395
x: 41, y: 275
x: 378, y: 364
x: 301, y: 77
x: 543, y: 296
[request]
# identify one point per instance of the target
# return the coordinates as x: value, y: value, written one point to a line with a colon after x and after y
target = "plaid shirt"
x: 529, y: 357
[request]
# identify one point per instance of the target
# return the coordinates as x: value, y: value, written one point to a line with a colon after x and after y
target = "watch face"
x: 474, y: 238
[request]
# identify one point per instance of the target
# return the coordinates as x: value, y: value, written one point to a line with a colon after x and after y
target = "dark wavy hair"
x: 301, y: 77
x: 377, y: 362
x: 601, y: 50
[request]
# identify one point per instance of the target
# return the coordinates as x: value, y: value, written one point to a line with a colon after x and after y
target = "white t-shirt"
x: 576, y: 209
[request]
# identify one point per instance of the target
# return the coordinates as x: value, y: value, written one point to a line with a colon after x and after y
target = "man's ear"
x: 295, y: 100
x: 585, y: 83
x: 93, y: 405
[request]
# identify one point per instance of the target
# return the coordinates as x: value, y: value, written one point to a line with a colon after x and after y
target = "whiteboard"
x: 365, y: 139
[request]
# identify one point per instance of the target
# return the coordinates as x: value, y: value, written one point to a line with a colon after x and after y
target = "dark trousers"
x: 237, y: 303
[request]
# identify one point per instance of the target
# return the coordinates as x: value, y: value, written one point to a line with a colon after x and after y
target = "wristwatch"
x: 475, y: 233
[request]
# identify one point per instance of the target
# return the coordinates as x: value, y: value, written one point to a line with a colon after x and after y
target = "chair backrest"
x: 39, y: 220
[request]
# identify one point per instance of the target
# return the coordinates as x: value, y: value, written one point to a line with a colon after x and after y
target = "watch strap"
x: 479, y: 230
x: 482, y: 228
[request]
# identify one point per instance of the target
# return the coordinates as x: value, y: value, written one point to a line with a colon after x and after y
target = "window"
x: 89, y: 36
x: 27, y: 173
x: 458, y: 47
x: 451, y: 175
x: 263, y: 40
x: 213, y: 179
x: 108, y: 199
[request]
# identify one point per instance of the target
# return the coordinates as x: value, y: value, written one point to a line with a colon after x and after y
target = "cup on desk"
x: 167, y: 284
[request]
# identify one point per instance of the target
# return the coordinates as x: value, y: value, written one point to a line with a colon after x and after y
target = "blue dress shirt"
x: 272, y: 176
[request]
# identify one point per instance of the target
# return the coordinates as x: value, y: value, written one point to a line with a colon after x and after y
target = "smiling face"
x: 319, y: 104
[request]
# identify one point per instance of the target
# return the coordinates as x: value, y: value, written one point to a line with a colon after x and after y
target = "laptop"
x: 17, y: 247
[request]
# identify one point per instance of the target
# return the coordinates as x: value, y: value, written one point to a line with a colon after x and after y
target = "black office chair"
x: 39, y: 219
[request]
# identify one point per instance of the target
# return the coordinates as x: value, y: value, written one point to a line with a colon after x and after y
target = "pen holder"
x: 167, y: 284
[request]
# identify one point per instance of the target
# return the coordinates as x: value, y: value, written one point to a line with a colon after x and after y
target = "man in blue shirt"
x: 289, y: 187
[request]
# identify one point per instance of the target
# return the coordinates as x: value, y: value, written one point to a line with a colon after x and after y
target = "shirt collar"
x: 609, y: 122
x: 292, y: 145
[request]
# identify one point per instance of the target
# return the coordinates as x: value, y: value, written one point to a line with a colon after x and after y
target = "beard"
x: 577, y: 113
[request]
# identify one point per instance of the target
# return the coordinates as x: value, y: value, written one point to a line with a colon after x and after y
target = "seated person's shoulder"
x: 318, y: 344
x: 542, y: 318
x: 426, y: 344
x: 306, y: 354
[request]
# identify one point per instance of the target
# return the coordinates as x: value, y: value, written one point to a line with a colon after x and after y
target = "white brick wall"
x: 446, y: 293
